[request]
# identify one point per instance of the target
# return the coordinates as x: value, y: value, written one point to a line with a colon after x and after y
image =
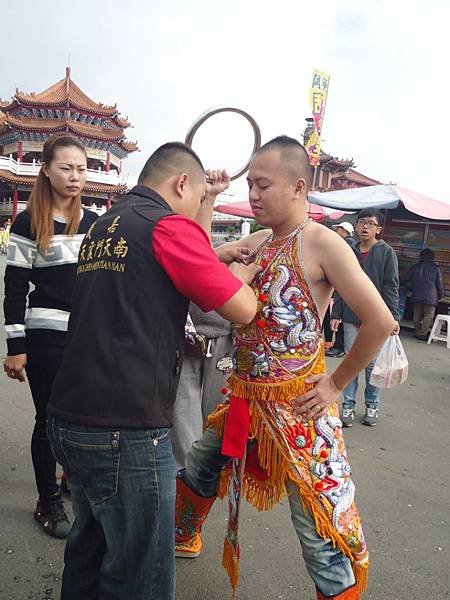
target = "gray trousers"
x: 423, y: 318
x: 198, y: 394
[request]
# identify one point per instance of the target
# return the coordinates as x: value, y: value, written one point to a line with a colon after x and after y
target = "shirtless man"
x: 280, y: 426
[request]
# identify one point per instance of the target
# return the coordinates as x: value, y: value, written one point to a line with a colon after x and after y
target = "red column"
x: 108, y: 162
x: 15, y: 202
x: 108, y: 202
x: 20, y: 151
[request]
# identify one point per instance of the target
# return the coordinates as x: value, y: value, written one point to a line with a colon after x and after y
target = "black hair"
x: 169, y: 159
x: 427, y: 254
x: 291, y: 148
x: 371, y: 212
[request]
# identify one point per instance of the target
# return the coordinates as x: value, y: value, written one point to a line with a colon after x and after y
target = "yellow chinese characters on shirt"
x: 108, y: 253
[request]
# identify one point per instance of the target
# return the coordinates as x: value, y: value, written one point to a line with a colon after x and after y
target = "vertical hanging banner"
x: 318, y: 99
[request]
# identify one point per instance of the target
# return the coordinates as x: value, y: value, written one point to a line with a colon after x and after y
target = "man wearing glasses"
x: 380, y: 264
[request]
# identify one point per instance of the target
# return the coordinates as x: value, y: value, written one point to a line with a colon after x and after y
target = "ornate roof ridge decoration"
x: 84, y: 129
x: 62, y: 98
x: 129, y: 146
x: 88, y: 187
x: 65, y: 91
x: 333, y: 163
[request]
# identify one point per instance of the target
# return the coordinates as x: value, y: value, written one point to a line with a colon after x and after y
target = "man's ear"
x: 180, y: 183
x: 300, y: 186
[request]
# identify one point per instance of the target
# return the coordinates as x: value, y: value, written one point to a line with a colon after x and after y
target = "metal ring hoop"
x: 219, y: 109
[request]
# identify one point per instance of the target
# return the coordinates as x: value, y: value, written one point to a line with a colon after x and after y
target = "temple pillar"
x: 108, y: 162
x: 108, y: 202
x: 20, y: 151
x: 15, y: 202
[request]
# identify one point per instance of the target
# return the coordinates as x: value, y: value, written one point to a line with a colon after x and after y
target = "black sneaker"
x: 52, y: 516
x: 334, y: 353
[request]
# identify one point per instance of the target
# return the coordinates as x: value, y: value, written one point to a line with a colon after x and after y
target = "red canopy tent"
x: 242, y: 209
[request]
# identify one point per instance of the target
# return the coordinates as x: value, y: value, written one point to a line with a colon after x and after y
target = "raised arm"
x: 216, y: 182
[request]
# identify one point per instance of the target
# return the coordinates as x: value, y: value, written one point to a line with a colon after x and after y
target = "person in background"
x: 379, y: 262
x: 424, y: 279
x: 206, y: 368
x: 4, y: 236
x: 43, y: 250
x: 346, y: 231
x: 336, y: 349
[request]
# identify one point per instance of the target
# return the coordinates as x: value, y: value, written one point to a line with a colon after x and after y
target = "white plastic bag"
x: 391, y: 365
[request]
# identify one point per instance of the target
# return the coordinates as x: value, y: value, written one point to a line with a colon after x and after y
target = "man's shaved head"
x: 293, y: 156
x: 169, y: 160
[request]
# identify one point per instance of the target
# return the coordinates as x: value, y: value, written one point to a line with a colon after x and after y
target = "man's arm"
x: 183, y: 250
x: 216, y: 182
x: 391, y: 284
x: 241, y: 308
x: 239, y: 249
x: 342, y: 270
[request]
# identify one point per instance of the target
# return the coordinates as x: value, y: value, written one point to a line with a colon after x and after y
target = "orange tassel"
x: 231, y: 563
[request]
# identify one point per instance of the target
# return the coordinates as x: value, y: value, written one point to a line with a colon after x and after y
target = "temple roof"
x: 91, y: 131
x: 88, y: 187
x: 84, y: 130
x: 360, y: 178
x: 333, y: 163
x: 64, y: 93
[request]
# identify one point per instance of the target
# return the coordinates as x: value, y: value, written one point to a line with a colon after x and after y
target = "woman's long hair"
x: 40, y: 203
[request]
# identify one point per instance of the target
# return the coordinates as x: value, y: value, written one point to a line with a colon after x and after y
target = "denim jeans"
x: 371, y: 393
x: 122, y: 484
x: 330, y: 570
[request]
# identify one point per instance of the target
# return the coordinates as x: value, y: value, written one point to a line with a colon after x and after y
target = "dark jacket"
x: 126, y: 331
x: 381, y: 266
x: 425, y: 281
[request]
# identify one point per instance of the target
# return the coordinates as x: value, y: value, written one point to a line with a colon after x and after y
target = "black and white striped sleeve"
x: 22, y: 251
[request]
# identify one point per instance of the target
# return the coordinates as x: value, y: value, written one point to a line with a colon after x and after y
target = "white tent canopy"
x: 382, y: 196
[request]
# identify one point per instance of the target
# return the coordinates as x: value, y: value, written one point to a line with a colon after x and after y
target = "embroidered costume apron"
x: 273, y: 356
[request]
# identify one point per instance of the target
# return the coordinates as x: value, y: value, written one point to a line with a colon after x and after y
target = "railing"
x: 7, y: 163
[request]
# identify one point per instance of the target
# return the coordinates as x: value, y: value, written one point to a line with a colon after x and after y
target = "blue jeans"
x: 122, y: 484
x: 330, y: 570
x: 371, y: 393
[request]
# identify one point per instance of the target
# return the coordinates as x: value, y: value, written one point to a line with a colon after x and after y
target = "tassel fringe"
x: 230, y: 562
x: 264, y: 495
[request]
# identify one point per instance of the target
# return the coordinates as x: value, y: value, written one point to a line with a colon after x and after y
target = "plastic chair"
x: 436, y: 330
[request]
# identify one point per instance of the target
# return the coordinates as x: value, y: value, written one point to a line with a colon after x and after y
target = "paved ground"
x: 402, y: 476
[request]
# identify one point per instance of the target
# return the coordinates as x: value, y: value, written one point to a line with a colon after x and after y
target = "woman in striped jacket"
x: 43, y: 250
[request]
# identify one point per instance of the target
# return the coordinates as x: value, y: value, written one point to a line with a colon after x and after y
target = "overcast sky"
x: 166, y: 62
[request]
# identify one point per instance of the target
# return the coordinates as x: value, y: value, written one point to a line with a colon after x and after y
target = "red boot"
x: 350, y: 594
x: 190, y: 512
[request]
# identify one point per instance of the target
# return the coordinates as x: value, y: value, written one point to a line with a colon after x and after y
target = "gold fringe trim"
x: 281, y: 391
x: 264, y: 495
x: 278, y: 391
x: 361, y: 573
x: 231, y: 565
